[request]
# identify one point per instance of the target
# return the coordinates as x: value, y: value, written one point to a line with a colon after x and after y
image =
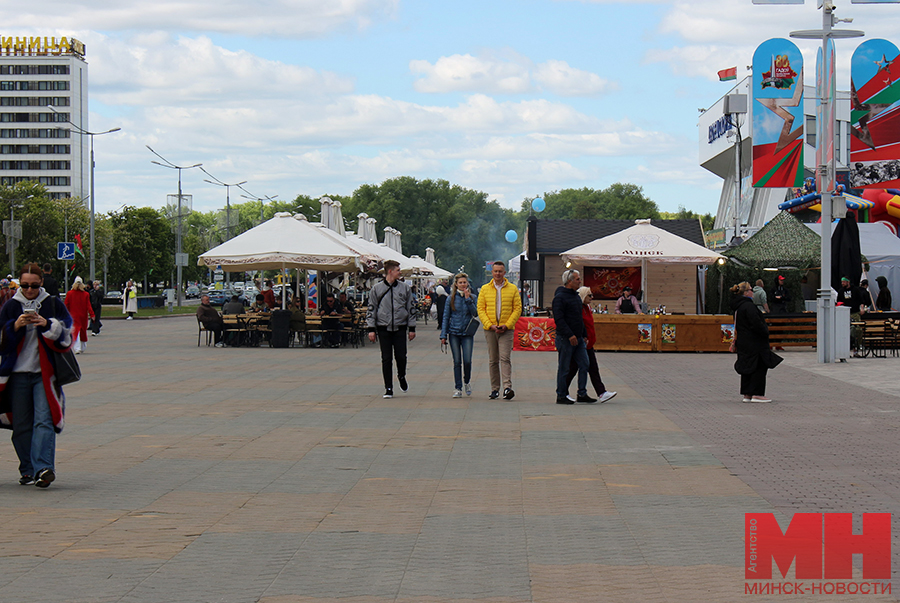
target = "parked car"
x: 113, y: 297
x: 192, y: 292
x: 218, y: 298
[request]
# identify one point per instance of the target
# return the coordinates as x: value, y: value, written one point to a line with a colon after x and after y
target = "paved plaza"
x: 191, y: 474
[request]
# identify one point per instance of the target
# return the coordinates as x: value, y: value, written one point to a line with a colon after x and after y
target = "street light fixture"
x: 261, y: 200
x: 11, y: 234
x: 83, y: 132
x: 218, y: 182
x: 178, y: 256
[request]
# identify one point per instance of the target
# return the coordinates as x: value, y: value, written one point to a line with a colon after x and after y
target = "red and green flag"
x: 79, y: 248
x: 728, y: 74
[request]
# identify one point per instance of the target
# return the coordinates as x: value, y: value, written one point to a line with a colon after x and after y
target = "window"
x: 811, y: 130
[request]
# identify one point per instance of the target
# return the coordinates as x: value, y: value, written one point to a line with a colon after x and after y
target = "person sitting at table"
x: 348, y: 306
x: 233, y: 306
x: 259, y: 306
x: 211, y: 320
x: 330, y: 312
x: 628, y: 303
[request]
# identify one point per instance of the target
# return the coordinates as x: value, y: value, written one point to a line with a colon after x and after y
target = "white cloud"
x: 509, y: 74
x: 280, y: 18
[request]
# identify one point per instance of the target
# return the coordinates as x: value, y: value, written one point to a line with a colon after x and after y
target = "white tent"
x: 429, y: 269
x: 639, y: 245
x: 279, y: 243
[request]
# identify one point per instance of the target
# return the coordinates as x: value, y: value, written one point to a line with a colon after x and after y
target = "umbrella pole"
x: 284, y: 289
x: 644, y: 282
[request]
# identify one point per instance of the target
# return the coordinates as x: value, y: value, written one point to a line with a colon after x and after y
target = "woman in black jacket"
x: 751, y: 342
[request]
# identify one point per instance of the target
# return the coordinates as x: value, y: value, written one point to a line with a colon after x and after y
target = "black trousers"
x: 754, y: 384
x: 593, y: 372
x: 96, y: 325
x: 392, y: 343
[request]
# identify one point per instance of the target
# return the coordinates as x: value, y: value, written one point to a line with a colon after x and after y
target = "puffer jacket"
x: 510, y: 305
x: 391, y: 307
x: 456, y: 320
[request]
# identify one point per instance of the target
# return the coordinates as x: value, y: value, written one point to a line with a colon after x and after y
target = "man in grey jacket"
x: 392, y: 316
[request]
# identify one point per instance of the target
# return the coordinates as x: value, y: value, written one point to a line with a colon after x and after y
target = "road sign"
x: 65, y: 251
x: 181, y: 259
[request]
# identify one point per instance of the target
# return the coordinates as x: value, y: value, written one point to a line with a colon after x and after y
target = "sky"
x: 515, y: 98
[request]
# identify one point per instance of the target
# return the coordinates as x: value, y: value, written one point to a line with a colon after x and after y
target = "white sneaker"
x: 468, y: 389
x: 760, y: 399
x: 607, y: 396
x: 130, y: 318
x: 457, y: 393
x: 220, y: 345
x: 746, y: 399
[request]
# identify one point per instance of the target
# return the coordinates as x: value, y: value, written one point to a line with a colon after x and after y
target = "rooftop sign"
x: 40, y: 46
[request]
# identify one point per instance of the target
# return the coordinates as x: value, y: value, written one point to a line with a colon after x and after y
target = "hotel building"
x: 44, y: 85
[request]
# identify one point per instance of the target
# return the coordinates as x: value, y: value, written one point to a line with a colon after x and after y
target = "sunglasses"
x: 27, y: 286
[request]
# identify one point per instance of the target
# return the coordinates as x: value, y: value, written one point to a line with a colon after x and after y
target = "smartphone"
x: 29, y: 311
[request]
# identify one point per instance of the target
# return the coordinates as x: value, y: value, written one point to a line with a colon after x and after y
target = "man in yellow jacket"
x: 499, y: 307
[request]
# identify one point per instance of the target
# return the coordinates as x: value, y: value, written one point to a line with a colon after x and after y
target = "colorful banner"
x: 535, y: 334
x: 607, y: 283
x: 874, y: 116
x: 777, y: 114
x: 825, y: 115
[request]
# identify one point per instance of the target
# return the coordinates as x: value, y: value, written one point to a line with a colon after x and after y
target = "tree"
x: 706, y: 220
x: 143, y: 246
x: 616, y: 202
x: 461, y: 225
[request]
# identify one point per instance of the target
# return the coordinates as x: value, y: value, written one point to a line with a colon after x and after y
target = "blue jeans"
x: 33, y: 435
x: 568, y: 353
x: 461, y: 348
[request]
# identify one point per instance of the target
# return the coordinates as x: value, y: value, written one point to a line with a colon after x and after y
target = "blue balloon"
x: 511, y: 236
x: 538, y: 204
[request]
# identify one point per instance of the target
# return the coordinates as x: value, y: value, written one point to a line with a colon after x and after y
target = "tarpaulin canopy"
x: 284, y: 242
x: 642, y: 242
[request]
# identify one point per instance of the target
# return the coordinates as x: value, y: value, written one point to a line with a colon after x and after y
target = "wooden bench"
x: 791, y: 330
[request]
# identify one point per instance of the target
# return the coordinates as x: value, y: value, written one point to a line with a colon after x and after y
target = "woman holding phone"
x: 33, y: 325
x: 458, y: 311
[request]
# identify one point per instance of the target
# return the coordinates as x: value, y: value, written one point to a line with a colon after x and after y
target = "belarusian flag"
x: 79, y: 248
x: 728, y: 74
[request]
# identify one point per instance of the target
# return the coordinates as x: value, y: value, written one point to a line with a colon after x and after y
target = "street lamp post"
x: 178, y: 263
x: 79, y: 130
x: 11, y: 237
x: 218, y: 182
x: 261, y: 200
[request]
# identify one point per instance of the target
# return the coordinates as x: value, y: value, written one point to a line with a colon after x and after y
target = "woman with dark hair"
x: 34, y: 325
x: 751, y: 342
x: 587, y: 315
x: 458, y: 311
x: 883, y: 302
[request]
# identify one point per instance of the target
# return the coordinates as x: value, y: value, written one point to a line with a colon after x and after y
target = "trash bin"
x: 280, y: 327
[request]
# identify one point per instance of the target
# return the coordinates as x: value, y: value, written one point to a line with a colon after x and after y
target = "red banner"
x: 535, y: 334
x: 607, y: 283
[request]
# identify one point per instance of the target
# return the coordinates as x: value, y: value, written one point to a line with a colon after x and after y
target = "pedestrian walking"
x: 392, y: 317
x: 97, y: 306
x: 499, y: 307
x: 129, y: 300
x: 440, y: 303
x: 570, y: 339
x: 78, y: 303
x: 751, y: 342
x: 883, y: 303
x: 50, y: 285
x: 459, y: 312
x: 593, y: 368
x: 34, y: 325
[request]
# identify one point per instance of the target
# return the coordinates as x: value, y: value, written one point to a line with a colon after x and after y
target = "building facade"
x: 750, y: 209
x: 43, y: 88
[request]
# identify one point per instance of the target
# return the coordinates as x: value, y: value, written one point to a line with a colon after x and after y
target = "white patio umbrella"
x: 337, y: 218
x: 280, y: 243
x: 325, y: 215
x: 429, y: 269
x: 639, y: 245
x: 371, y: 232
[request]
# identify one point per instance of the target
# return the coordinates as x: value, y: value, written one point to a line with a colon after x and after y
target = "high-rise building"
x: 43, y: 85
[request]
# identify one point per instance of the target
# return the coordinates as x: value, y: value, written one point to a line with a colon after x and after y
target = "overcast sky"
x: 511, y: 97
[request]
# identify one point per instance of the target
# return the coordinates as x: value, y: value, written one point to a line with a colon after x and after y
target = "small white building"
x: 37, y: 73
x: 717, y: 142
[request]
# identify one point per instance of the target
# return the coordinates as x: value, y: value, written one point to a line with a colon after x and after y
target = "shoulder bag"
x: 67, y: 369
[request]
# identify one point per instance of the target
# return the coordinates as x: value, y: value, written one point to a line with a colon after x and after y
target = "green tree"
x: 143, y: 246
x: 706, y: 220
x: 461, y: 225
x: 616, y: 202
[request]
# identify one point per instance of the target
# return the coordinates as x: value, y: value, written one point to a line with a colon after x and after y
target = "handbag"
x: 67, y: 369
x: 472, y: 327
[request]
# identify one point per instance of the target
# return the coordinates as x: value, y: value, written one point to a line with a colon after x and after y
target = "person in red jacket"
x: 269, y: 296
x: 603, y: 394
x: 78, y: 303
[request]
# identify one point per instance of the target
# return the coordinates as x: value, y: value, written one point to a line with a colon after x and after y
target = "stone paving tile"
x: 280, y: 476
